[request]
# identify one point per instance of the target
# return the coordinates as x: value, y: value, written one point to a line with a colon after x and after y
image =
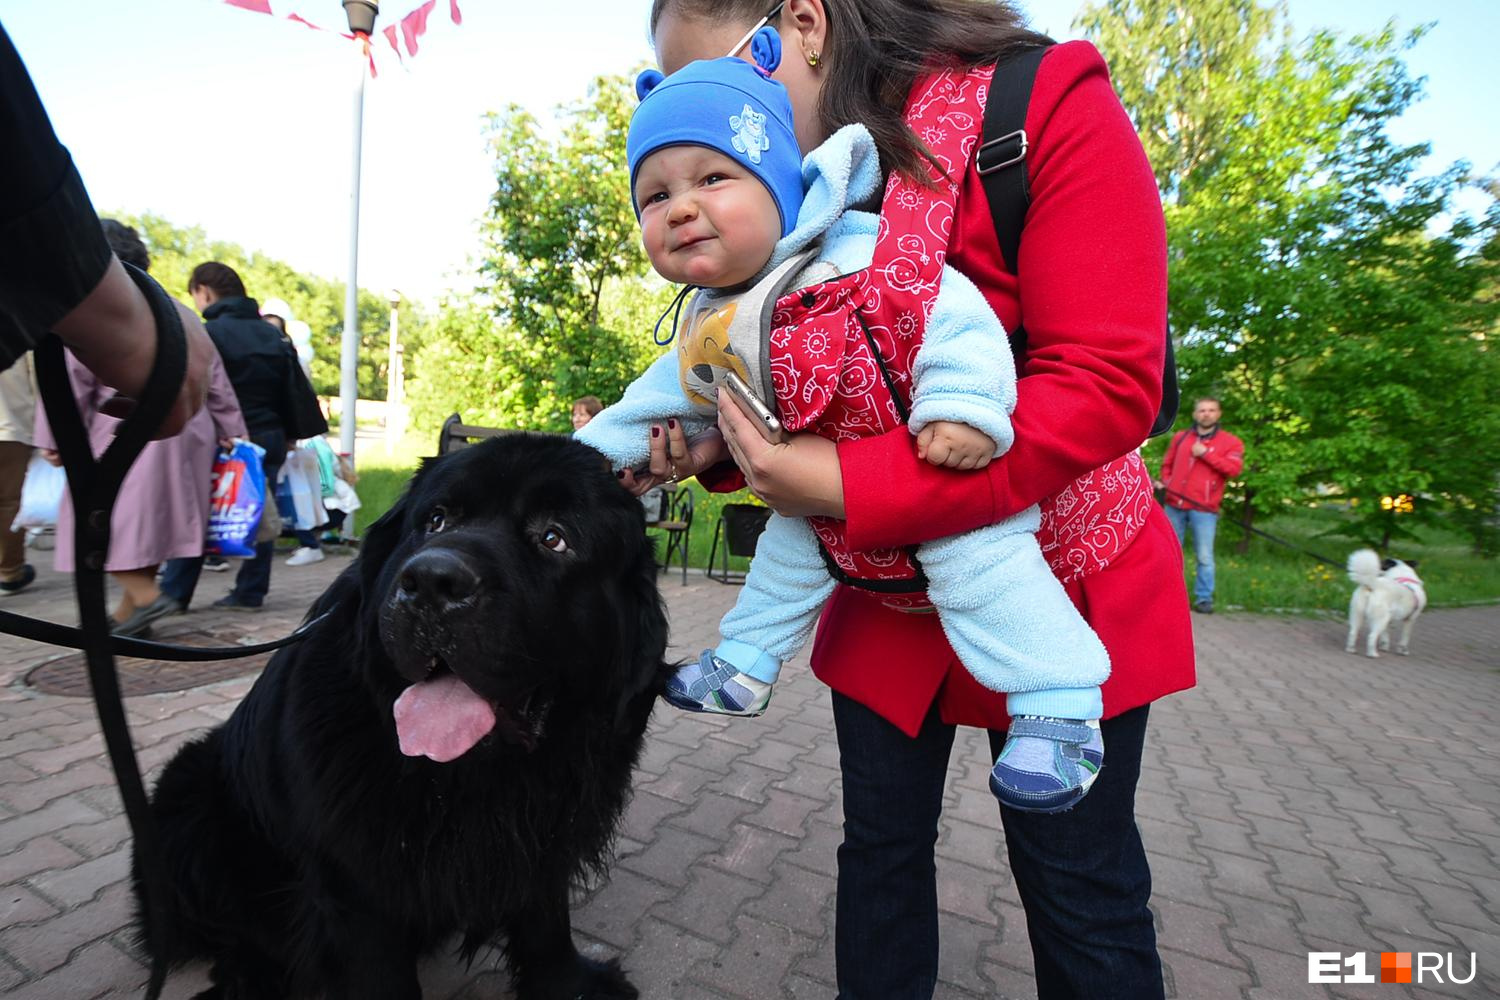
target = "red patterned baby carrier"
x: 841, y: 356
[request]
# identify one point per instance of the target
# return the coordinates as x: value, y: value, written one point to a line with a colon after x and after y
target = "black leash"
x: 1195, y: 505
x: 94, y: 486
x: 53, y: 634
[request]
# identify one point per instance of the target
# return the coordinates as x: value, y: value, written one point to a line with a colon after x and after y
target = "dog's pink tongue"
x: 441, y: 719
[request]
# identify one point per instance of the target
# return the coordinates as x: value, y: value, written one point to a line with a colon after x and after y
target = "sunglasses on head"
x: 774, y: 11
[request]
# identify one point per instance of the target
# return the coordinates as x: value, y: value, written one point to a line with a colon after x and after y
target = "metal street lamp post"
x: 395, y: 382
x: 361, y: 15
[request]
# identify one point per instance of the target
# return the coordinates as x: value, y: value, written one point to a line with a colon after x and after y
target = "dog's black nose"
x: 440, y: 578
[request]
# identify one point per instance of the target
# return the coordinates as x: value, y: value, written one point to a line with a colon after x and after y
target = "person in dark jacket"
x: 258, y: 361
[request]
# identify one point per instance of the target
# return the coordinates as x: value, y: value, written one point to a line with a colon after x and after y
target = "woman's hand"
x: 674, y: 457
x: 798, y: 478
x: 50, y: 456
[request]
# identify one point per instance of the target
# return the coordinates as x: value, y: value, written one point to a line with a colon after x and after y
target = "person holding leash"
x: 1092, y: 282
x: 1197, y: 464
x: 162, y: 509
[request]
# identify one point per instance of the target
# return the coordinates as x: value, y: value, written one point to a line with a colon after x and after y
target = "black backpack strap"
x: 1171, y: 395
x: 1001, y: 159
x: 1001, y: 162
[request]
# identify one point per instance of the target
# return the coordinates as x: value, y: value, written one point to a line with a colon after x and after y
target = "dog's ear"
x: 380, y: 541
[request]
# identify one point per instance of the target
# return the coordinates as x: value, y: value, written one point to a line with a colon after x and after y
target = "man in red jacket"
x: 1198, y: 462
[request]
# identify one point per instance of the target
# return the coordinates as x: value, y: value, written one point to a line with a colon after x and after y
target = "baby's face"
x: 705, y: 219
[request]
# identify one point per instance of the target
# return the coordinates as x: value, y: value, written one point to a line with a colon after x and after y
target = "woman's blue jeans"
x: 1082, y: 875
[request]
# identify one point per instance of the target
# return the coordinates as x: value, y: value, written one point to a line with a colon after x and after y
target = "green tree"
x: 462, y: 368
x: 564, y: 260
x: 1182, y: 69
x: 317, y: 301
x: 1313, y: 285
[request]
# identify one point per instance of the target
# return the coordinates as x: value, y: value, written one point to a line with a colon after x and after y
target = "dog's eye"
x: 437, y: 520
x: 553, y: 539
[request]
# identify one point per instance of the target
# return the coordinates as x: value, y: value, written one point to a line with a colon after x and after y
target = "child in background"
x: 728, y: 206
x: 336, y: 481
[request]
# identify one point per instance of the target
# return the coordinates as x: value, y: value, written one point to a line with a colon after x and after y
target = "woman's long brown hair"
x: 875, y: 51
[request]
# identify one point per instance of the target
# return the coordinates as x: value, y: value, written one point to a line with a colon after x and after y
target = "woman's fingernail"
x: 620, y: 474
x: 672, y: 424
x: 656, y: 432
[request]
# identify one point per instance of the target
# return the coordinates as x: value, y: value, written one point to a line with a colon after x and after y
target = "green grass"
x: 382, y: 475
x: 1270, y: 577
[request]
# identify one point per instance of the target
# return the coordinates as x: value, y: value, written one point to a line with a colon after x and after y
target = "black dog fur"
x: 306, y: 856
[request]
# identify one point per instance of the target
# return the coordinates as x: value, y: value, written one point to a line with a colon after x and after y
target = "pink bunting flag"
x: 390, y: 36
x: 414, y: 26
x: 407, y: 29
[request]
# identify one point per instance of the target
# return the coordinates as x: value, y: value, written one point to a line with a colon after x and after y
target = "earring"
x: 812, y: 57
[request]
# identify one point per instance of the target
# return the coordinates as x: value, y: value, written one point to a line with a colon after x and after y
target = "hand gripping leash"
x: 94, y: 486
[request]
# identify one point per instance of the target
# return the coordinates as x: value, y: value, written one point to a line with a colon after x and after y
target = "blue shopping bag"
x: 236, y: 500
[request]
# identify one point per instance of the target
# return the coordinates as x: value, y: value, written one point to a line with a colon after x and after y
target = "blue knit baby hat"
x: 728, y: 105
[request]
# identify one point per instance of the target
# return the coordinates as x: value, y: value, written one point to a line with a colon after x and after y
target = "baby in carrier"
x: 728, y: 205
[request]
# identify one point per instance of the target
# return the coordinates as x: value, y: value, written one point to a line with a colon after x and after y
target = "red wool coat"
x: 1093, y: 269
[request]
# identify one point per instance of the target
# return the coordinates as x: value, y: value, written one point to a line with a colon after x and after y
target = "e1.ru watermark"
x: 1395, y: 967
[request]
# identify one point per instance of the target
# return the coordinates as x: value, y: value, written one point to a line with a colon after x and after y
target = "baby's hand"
x: 955, y: 445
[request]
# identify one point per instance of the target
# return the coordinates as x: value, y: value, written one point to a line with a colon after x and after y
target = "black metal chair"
x: 677, y: 522
x: 739, y: 527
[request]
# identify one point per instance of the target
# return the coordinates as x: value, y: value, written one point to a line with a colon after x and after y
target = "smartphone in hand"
x: 764, y: 418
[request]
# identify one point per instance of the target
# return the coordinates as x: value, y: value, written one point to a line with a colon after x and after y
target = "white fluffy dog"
x: 1387, y: 592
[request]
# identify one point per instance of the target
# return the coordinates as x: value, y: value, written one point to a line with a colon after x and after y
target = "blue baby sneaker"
x: 1047, y: 765
x: 714, y: 685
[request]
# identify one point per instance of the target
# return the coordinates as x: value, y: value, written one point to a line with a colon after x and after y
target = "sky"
x: 243, y: 124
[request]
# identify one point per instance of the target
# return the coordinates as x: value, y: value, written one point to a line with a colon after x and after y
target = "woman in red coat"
x: 1091, y: 289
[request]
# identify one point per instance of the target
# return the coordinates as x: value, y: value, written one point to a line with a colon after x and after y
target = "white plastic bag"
x: 41, y: 494
x: 299, y: 491
x: 344, y: 498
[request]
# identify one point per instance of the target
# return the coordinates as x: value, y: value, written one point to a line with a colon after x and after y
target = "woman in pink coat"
x: 162, y: 509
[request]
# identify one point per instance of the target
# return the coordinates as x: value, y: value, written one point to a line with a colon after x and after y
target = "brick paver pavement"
x: 1300, y: 799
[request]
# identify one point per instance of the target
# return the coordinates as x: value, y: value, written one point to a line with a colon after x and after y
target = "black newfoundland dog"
x: 445, y: 755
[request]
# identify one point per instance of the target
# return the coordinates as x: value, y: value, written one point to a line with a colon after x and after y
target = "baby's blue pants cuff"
x: 1058, y: 703
x: 749, y: 660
